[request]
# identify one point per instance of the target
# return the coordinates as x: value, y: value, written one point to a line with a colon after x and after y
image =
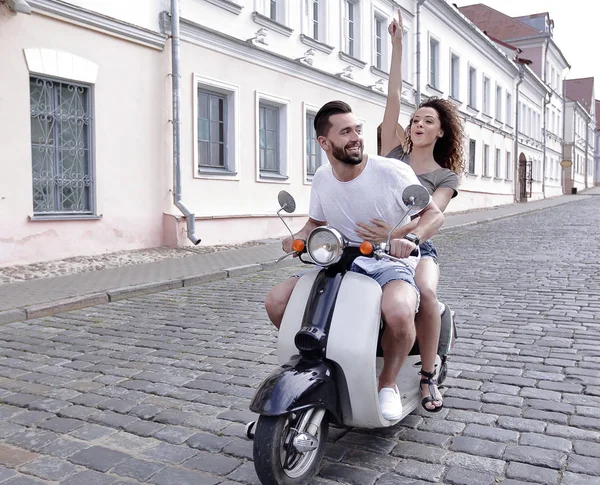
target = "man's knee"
x: 400, y: 322
x: 277, y: 300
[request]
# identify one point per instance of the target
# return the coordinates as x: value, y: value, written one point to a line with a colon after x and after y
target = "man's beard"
x: 340, y: 154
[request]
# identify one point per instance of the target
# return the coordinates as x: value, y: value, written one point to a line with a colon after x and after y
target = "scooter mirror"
x: 286, y: 202
x: 416, y: 197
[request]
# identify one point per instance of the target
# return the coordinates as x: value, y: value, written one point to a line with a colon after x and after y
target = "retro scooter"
x: 330, y: 355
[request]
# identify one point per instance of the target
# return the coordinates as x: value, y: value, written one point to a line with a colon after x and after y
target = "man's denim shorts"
x: 428, y: 250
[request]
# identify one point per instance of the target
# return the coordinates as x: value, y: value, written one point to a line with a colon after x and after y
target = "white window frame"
x: 472, y: 156
x: 486, y: 88
x: 508, y: 166
x: 498, y: 103
x: 498, y: 164
x: 322, y: 12
x: 472, y: 101
x: 282, y: 175
x: 264, y: 7
x: 385, y: 41
x: 356, y: 46
x: 231, y: 172
x: 486, y: 160
x: 509, y: 117
x: 454, y: 75
x: 407, y: 73
x: 434, y: 47
x: 309, y: 110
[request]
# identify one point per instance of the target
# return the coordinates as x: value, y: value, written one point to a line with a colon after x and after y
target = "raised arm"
x: 392, y: 134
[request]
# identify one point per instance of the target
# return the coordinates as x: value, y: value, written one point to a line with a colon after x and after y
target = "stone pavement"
x: 155, y: 389
x: 42, y: 297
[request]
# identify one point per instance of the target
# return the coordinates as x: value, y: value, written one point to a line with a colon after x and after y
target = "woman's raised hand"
x: 396, y: 30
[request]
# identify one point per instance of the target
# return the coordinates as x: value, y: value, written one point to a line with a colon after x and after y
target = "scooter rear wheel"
x: 276, y: 460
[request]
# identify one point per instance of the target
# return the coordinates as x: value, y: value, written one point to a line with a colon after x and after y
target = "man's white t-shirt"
x: 375, y: 194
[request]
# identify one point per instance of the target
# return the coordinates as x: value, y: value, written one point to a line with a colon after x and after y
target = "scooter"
x: 330, y: 355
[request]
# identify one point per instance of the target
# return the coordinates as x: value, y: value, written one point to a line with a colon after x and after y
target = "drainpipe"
x: 517, y: 197
x: 175, y: 77
x: 418, y: 97
x: 587, y: 147
x: 547, y: 98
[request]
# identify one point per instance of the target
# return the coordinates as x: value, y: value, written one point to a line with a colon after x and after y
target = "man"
x: 353, y: 188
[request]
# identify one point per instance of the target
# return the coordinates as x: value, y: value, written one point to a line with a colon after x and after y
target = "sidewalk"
x: 42, y: 297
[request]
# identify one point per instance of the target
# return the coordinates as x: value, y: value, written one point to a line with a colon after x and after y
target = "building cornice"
x: 220, y: 42
x: 99, y: 22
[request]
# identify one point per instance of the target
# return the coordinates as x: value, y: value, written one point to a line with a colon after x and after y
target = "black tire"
x: 270, y: 437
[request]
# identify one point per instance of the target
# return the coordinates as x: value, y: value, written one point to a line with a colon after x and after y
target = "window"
x: 508, y: 167
x: 269, y: 138
x: 497, y: 164
x: 61, y: 147
x: 216, y: 151
x: 212, y: 130
x: 498, y: 103
x: 508, y: 109
x: 273, y: 9
x: 486, y: 160
x: 472, y: 154
x: 314, y: 153
x: 434, y: 59
x: 473, y: 87
x: 553, y: 122
x: 271, y: 142
x: 380, y: 40
x: 351, y: 27
x: 315, y: 13
x: 486, y: 95
x: 454, y: 75
x: 406, y: 73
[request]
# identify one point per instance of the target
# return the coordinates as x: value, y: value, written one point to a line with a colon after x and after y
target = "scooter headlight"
x: 325, y: 246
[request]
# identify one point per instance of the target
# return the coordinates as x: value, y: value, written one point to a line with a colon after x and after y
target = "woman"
x: 432, y: 145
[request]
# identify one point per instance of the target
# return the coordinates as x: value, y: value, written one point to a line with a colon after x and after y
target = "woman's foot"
x: 432, y: 399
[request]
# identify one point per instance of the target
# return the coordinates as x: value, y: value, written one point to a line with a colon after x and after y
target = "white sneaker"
x: 390, y: 403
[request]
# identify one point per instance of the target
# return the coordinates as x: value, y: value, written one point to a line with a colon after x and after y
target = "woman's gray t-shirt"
x: 442, y: 177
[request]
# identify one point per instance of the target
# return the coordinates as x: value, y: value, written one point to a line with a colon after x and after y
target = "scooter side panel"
x: 352, y: 345
x: 292, y: 318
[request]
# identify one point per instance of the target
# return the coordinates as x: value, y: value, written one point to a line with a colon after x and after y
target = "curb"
x: 81, y: 301
x: 50, y: 308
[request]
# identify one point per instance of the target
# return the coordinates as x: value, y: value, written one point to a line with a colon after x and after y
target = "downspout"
x: 547, y: 98
x: 544, y: 67
x: 175, y: 77
x: 587, y: 149
x: 517, y: 197
x: 418, y: 96
x: 564, y: 131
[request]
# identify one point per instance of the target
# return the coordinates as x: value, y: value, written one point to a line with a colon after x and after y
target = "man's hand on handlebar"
x: 401, y: 248
x: 286, y: 245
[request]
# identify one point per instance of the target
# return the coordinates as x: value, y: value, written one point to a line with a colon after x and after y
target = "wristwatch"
x: 413, y: 238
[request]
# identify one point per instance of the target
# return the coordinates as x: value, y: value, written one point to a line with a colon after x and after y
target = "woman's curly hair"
x: 448, y: 151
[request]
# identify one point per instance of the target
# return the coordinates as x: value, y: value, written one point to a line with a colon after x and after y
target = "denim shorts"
x: 394, y: 272
x: 428, y: 250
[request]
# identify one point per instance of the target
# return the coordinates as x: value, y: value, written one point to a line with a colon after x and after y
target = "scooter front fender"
x: 297, y: 385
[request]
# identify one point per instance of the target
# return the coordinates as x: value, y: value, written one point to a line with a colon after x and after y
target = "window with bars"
x: 314, y: 153
x: 212, y: 129
x: 61, y: 147
x: 268, y: 117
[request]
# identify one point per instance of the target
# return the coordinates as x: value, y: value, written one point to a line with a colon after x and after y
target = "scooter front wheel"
x: 288, y: 449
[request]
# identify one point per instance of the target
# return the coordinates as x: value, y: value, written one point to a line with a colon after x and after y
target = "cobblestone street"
x: 155, y: 389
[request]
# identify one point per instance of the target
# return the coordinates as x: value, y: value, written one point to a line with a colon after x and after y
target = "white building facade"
x: 87, y: 166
